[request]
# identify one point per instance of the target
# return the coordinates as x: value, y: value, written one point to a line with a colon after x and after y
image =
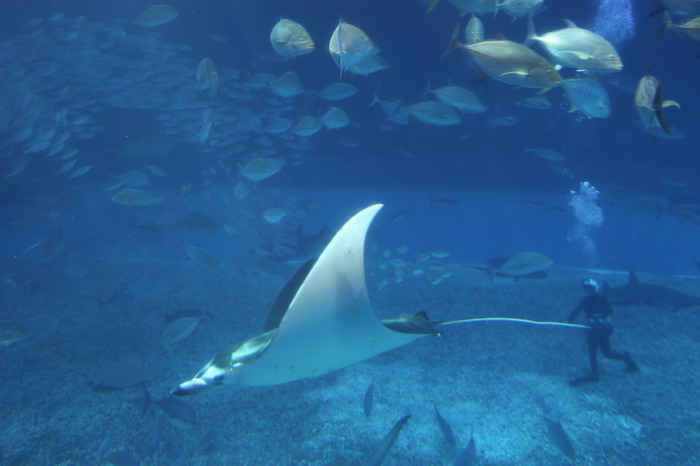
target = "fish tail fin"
x: 531, y: 32
x: 666, y: 25
x: 671, y: 103
x: 454, y: 42
x: 659, y: 108
x: 432, y: 6
x: 375, y: 99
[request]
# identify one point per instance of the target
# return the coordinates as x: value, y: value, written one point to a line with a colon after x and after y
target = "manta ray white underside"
x: 329, y: 324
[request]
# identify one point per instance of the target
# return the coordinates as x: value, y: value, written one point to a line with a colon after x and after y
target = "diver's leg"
x: 591, y: 340
x: 610, y: 354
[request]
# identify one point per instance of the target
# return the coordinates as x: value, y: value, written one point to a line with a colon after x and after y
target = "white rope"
x: 510, y: 319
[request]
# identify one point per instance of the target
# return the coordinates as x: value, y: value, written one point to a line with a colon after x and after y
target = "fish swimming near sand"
x: 558, y: 436
x: 445, y: 428
x: 382, y: 449
x: 646, y: 294
x: 178, y: 412
x: 368, y: 399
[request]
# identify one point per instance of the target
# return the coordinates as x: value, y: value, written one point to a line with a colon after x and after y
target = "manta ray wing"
x: 330, y: 322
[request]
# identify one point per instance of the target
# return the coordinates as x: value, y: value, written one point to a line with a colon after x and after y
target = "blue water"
x: 92, y: 279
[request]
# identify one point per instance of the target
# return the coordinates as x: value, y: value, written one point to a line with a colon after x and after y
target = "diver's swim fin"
x: 583, y: 379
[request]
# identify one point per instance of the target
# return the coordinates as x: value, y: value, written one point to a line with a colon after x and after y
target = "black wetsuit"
x: 598, y: 313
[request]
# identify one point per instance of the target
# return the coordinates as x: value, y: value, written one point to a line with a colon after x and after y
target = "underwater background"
x: 165, y: 171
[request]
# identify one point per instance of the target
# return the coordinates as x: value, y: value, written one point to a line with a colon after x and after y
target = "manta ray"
x: 321, y: 321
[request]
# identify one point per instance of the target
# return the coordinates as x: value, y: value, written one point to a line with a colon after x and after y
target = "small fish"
x: 135, y: 197
x: 502, y: 122
x: 434, y: 113
x: 368, y: 400
x: 474, y: 32
x: 259, y: 169
x: 202, y: 257
x: 460, y: 98
x: 80, y: 171
x: 307, y: 126
x: 558, y: 436
x: 67, y: 166
x: 11, y: 333
x: 157, y: 171
x: 156, y: 15
x: 177, y: 412
x: 273, y: 215
x: 179, y: 330
x: 335, y: 118
x: 286, y: 85
x: 445, y: 428
x: 538, y: 102
x: 369, y: 65
x: 379, y: 453
x: 337, y: 91
x: 547, y: 154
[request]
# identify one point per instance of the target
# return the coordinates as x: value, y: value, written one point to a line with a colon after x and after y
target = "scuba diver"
x: 598, y: 313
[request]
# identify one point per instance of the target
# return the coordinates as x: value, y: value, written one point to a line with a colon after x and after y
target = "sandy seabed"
x: 498, y: 380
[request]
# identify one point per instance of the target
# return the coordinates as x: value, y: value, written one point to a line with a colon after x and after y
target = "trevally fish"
x: 179, y: 329
x: 578, y: 48
x: 587, y: 96
x: 156, y: 15
x: 460, y: 98
x: 286, y: 85
x: 307, y: 126
x: 474, y: 31
x: 202, y: 257
x: 135, y: 197
x: 650, y: 104
x: 509, y: 62
x: 369, y: 65
x: 689, y: 28
x: 259, y: 169
x: 337, y: 91
x: 519, y: 8
x: 349, y: 44
x: 335, y: 118
x: 434, y: 113
x: 290, y: 39
x: 544, y: 153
